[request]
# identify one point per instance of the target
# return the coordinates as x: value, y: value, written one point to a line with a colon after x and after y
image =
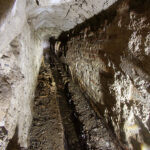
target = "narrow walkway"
x: 47, y: 129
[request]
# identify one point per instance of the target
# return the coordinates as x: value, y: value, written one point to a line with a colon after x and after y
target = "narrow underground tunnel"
x: 63, y: 117
x: 67, y: 84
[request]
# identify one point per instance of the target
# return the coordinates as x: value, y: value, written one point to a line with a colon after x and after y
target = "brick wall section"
x: 109, y: 55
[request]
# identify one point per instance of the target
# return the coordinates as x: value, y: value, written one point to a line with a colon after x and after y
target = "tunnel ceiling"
x: 48, y: 17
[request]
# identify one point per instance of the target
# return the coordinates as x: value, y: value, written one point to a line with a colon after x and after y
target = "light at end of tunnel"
x: 45, y: 44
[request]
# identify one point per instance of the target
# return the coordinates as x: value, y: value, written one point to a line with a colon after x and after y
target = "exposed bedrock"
x: 108, y: 56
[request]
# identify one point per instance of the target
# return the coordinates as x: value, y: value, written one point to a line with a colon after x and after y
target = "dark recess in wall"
x: 139, y: 5
x: 37, y: 2
x: 13, y: 144
x: 5, y: 6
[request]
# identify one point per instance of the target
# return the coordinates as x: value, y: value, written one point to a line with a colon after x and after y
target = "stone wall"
x: 109, y: 55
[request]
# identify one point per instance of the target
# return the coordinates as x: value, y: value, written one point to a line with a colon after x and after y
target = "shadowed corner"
x: 5, y: 6
x: 13, y: 144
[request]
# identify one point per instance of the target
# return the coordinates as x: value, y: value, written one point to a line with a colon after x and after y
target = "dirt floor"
x: 63, y: 118
x: 47, y: 129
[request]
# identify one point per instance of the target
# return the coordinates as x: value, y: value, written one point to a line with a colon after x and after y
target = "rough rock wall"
x: 19, y: 65
x: 109, y: 55
x: 20, y: 59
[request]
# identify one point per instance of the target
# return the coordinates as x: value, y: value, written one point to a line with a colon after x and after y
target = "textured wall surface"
x: 109, y: 56
x: 19, y: 66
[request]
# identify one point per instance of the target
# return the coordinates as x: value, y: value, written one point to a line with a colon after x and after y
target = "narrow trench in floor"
x: 73, y: 130
x: 62, y: 117
x: 75, y: 118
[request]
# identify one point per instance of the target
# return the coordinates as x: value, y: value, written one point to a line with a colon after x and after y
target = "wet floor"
x: 62, y: 116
